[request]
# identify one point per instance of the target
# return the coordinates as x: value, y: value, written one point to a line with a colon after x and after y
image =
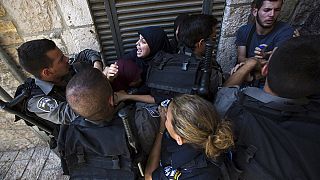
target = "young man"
x: 52, y: 70
x: 94, y: 146
x: 195, y: 30
x: 194, y: 33
x: 277, y: 128
x: 260, y: 38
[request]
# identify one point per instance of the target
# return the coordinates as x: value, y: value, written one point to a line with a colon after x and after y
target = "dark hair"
x: 32, y: 55
x: 195, y: 28
x: 294, y: 68
x: 87, y: 94
x: 258, y: 3
x: 179, y: 19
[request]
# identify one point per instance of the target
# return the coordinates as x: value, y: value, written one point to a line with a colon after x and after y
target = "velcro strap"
x: 250, y: 152
x: 80, y: 155
x: 107, y: 162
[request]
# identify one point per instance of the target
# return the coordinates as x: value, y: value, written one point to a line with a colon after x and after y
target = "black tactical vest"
x: 91, y: 150
x: 276, y: 138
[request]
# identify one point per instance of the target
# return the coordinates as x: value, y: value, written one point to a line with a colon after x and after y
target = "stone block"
x: 234, y: 18
x: 75, y: 12
x: 312, y: 25
x: 288, y: 8
x: 8, y: 33
x: 53, y: 162
x: 7, y: 26
x: 7, y: 81
x: 18, y: 139
x: 2, y: 11
x: 36, y: 163
x: 13, y: 53
x: 33, y: 16
x: 57, y: 41
x: 5, y: 168
x: 10, y: 38
x: 53, y: 174
x: 16, y: 170
x: 25, y: 154
x: 9, y: 156
x: 303, y: 12
x: 80, y: 39
x: 227, y: 53
x: 232, y: 2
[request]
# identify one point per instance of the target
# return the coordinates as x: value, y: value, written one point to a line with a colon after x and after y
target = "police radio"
x: 203, y: 89
x: 123, y: 114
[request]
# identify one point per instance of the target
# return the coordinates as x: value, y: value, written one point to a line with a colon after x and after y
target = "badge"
x: 153, y: 111
x: 47, y: 104
x: 171, y: 174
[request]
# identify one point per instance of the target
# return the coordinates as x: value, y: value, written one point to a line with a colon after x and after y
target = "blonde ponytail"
x: 220, y: 141
x: 197, y: 122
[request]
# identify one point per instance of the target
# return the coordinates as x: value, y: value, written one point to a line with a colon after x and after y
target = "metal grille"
x: 217, y: 11
x: 101, y: 22
x: 126, y: 17
x: 133, y: 15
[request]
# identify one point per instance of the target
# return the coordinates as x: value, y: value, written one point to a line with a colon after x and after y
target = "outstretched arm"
x: 51, y: 109
x: 242, y: 54
x: 123, y: 96
x: 89, y: 56
x: 238, y: 77
x: 154, y: 157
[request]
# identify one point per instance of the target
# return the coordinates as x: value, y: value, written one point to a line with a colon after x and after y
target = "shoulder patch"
x: 47, y: 104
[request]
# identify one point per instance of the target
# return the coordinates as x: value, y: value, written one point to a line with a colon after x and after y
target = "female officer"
x: 194, y: 139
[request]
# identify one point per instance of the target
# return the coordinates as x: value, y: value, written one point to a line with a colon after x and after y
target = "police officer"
x: 277, y: 128
x: 52, y: 71
x: 94, y: 146
x: 192, y: 143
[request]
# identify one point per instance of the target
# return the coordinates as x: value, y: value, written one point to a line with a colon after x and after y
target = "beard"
x: 261, y: 23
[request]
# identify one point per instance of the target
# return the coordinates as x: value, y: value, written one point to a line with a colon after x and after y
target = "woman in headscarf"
x: 152, y: 39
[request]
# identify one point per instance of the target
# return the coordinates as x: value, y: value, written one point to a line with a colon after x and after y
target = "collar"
x: 264, y: 97
x: 45, y: 86
x: 276, y: 102
x: 181, y: 155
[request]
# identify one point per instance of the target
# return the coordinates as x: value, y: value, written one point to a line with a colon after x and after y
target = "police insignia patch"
x: 47, y: 104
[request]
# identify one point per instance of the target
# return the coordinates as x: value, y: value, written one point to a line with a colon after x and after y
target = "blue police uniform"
x: 48, y: 100
x: 184, y: 162
x: 277, y: 138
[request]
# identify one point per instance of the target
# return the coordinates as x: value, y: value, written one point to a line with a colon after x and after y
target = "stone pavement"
x: 23, y: 155
x: 33, y: 163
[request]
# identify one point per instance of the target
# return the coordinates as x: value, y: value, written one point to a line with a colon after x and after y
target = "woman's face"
x: 143, y: 49
x: 169, y: 126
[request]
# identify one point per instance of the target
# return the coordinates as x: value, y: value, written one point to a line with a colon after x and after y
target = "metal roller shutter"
x: 133, y: 15
x: 217, y: 11
x: 101, y: 22
x: 126, y: 17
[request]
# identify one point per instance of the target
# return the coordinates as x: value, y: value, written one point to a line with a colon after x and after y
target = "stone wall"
x: 303, y: 15
x: 67, y: 22
x: 306, y: 17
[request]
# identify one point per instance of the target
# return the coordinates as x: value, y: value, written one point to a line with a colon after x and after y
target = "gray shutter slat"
x: 102, y: 25
x: 136, y: 14
x: 132, y: 15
